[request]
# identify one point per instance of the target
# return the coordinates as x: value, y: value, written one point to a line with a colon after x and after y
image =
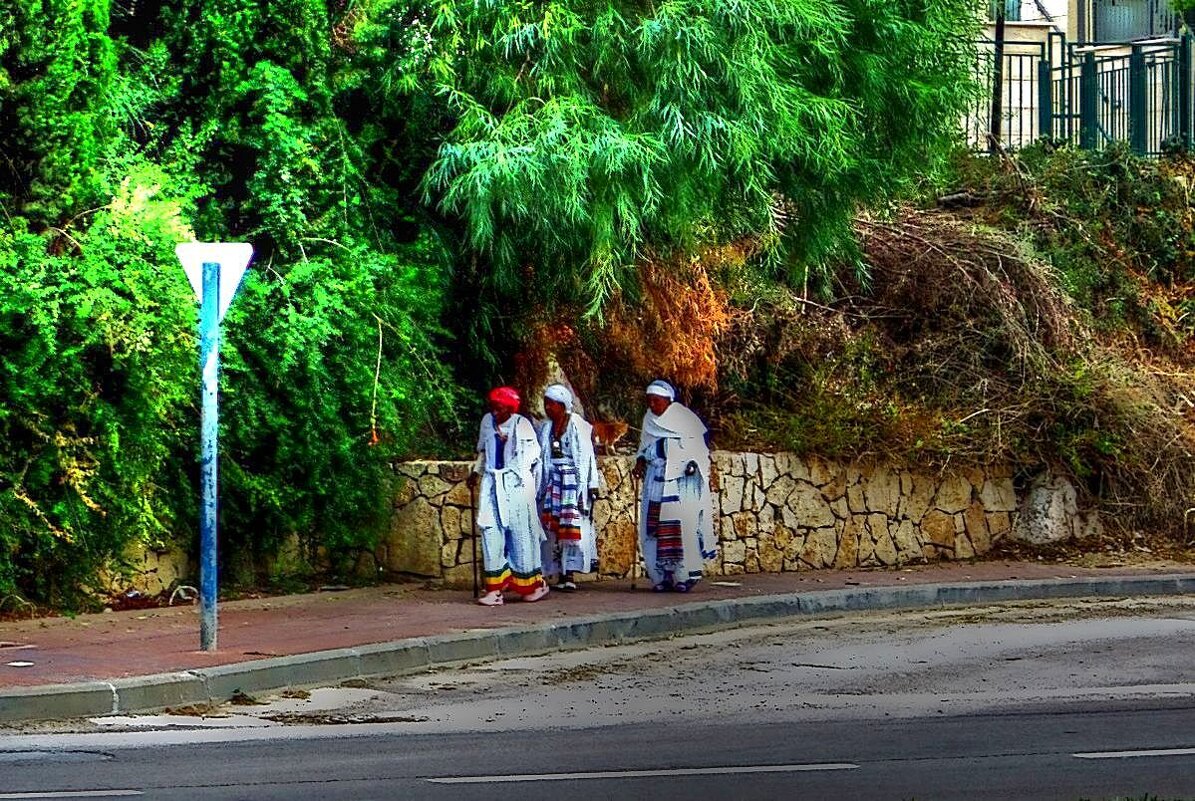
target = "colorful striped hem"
x: 525, y: 584
x: 497, y: 581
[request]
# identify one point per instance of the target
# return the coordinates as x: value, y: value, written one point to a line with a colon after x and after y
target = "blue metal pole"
x: 209, y: 363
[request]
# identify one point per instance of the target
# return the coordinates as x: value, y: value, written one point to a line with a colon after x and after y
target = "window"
x: 1012, y: 9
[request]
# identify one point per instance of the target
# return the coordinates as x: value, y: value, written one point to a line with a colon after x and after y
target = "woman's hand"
x: 640, y: 469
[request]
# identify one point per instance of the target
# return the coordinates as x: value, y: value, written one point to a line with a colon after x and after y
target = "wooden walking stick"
x: 473, y: 506
x: 635, y: 516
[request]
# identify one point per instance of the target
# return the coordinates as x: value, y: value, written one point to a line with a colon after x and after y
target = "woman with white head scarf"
x: 676, y: 518
x: 569, y: 484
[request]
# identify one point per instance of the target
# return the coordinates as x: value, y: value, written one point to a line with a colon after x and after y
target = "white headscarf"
x: 661, y: 388
x: 560, y: 394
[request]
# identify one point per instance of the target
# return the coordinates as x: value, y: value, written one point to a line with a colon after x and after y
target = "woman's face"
x: 501, y: 412
x: 657, y: 404
x: 553, y: 409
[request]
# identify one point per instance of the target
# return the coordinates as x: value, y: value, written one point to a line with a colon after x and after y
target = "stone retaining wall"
x: 775, y: 512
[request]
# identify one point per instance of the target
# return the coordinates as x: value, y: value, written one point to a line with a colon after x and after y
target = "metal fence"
x: 1090, y: 95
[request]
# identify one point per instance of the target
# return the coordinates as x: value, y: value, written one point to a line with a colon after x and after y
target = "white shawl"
x: 579, y: 434
x: 684, y: 434
x: 514, y: 484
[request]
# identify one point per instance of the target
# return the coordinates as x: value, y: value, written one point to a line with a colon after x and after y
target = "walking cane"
x: 635, y: 515
x: 473, y: 507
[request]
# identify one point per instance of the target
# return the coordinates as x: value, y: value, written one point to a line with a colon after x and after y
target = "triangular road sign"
x: 233, y: 258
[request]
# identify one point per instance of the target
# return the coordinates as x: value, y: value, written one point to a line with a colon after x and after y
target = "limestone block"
x: 617, y: 546
x: 602, y: 512
x: 432, y: 487
x: 789, y: 517
x: 413, y: 470
x: 779, y: 490
x: 458, y: 495
x: 918, y: 501
x: 751, y: 563
x: 766, y: 518
x: 450, y: 523
x: 848, y: 542
x: 885, y: 550
x: 976, y: 525
x: 962, y: 547
x: 821, y: 472
x: 455, y: 472
x: 153, y: 572
x: 840, y: 509
x: 810, y: 507
x: 407, y: 490
x: 877, y: 526
x: 734, y: 552
x: 732, y: 569
x: 751, y: 465
x: 782, y: 535
x: 904, y: 537
x: 466, y: 522
x: 793, y: 565
x: 997, y: 495
x: 795, y: 547
x: 821, y: 546
x: 744, y: 525
x: 938, y: 528
x: 448, y: 553
x: 611, y: 474
x: 737, y: 467
x: 999, y: 525
x: 413, y: 541
x: 906, y: 482
x: 855, y: 499
x: 759, y: 498
x: 726, y: 530
x: 459, y: 577
x: 1049, y: 511
x: 835, y: 488
x: 954, y: 495
x: 882, y: 491
x: 768, y: 473
x: 974, y: 476
x: 855, y: 474
x: 732, y: 494
x: 866, y: 556
x: 771, y: 557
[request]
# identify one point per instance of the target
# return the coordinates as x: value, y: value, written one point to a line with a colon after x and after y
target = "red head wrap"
x: 507, y: 397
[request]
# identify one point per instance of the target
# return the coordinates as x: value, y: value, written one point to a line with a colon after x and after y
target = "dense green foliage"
x: 580, y: 135
x: 410, y: 173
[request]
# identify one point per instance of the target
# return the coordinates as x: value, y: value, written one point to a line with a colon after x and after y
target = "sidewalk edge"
x: 219, y: 684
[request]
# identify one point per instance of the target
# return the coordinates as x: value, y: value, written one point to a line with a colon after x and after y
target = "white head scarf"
x: 560, y: 394
x: 661, y: 388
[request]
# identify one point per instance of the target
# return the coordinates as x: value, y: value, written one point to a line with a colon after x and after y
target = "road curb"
x: 218, y: 684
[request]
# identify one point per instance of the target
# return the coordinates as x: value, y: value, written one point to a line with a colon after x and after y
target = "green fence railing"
x: 1091, y: 95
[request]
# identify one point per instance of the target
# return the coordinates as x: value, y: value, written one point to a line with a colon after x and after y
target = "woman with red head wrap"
x: 507, y: 465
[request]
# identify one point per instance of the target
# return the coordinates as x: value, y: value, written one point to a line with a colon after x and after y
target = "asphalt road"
x: 1039, y: 701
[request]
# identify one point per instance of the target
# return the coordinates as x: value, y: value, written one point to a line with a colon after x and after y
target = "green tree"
x: 579, y: 135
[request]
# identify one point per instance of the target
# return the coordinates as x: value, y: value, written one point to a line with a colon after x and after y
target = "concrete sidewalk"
x: 149, y: 659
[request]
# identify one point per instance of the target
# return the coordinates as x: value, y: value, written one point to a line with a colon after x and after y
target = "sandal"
x: 684, y: 586
x: 491, y: 599
x: 540, y: 592
x: 566, y: 586
x: 663, y: 586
